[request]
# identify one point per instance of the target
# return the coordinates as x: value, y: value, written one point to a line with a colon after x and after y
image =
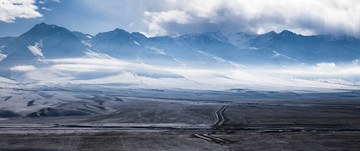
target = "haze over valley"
x: 179, y: 75
x: 51, y: 55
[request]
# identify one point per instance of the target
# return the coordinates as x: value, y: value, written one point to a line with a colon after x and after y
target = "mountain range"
x: 210, y: 49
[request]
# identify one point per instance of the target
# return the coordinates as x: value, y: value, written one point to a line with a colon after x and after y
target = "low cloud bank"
x: 110, y: 71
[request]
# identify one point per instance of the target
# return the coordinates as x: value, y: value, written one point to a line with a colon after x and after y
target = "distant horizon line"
x: 254, y: 34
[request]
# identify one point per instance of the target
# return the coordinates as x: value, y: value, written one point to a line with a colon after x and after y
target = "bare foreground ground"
x: 71, y: 119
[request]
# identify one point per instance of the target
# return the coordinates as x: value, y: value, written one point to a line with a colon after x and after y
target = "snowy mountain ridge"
x: 284, y: 48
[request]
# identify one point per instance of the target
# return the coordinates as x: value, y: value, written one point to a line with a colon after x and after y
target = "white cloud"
x: 12, y: 9
x: 45, y: 8
x: 23, y: 68
x: 178, y: 17
x: 257, y: 16
x: 43, y: 2
x: 326, y: 65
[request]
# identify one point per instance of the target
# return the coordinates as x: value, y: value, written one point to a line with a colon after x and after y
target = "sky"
x: 178, y: 17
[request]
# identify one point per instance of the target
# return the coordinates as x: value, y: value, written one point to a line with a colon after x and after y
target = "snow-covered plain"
x: 105, y: 70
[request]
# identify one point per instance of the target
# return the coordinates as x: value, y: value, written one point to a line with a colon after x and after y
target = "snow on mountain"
x: 310, y: 49
x: 2, y: 56
x: 211, y: 42
x: 117, y: 43
x: 48, y: 54
x: 41, y: 41
x: 276, y: 54
x: 4, y: 43
x: 220, y: 60
x: 165, y: 50
x: 139, y: 37
x: 57, y: 41
x: 36, y: 49
x: 240, y: 39
x: 157, y: 50
x: 82, y: 36
x: 285, y: 48
x: 234, y: 47
x: 112, y: 40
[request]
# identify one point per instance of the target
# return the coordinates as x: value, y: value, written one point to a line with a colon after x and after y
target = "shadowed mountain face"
x: 42, y: 41
x: 204, y: 49
x: 121, y: 44
x: 55, y: 41
x: 310, y: 49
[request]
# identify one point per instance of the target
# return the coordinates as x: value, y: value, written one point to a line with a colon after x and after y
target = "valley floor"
x: 180, y: 120
x: 179, y: 141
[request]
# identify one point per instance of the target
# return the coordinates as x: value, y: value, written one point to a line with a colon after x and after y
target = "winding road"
x: 220, y: 118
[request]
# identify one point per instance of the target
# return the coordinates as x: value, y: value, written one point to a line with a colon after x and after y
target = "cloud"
x: 326, y: 65
x: 45, y: 8
x: 97, y: 69
x: 23, y: 68
x: 355, y: 62
x: 181, y: 18
x: 256, y: 16
x: 12, y: 9
x: 43, y: 2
